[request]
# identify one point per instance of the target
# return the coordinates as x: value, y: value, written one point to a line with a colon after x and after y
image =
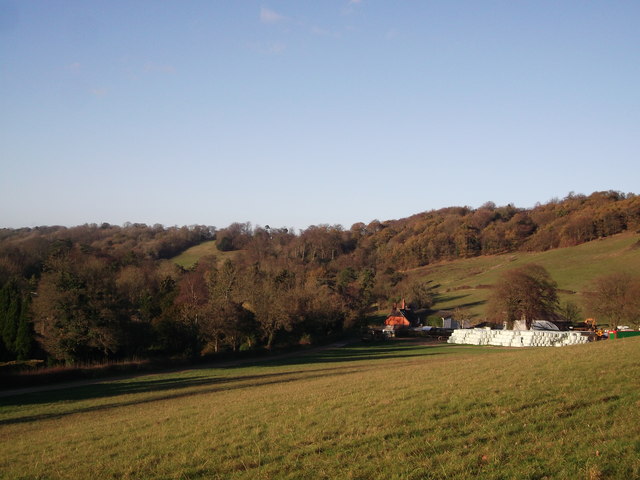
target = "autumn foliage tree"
x: 104, y: 291
x: 78, y: 314
x: 269, y: 299
x: 615, y: 298
x: 526, y: 293
x: 225, y: 321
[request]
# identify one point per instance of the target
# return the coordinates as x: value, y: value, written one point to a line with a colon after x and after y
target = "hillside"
x: 397, y: 410
x: 97, y: 293
x: 190, y: 256
x: 464, y: 283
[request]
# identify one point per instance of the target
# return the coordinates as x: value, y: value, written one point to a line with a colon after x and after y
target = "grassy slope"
x: 573, y: 268
x: 392, y: 411
x: 190, y: 256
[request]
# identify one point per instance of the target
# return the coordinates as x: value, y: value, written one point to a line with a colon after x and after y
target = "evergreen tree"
x: 23, y: 342
x: 4, y: 308
x: 11, y: 324
x: 10, y: 305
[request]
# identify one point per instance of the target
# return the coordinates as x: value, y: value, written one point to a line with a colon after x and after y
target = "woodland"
x: 95, y: 293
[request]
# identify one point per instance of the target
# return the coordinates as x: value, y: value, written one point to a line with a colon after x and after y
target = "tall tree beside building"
x: 526, y: 293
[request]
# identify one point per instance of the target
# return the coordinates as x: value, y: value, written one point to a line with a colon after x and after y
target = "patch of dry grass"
x: 396, y: 410
x: 190, y: 256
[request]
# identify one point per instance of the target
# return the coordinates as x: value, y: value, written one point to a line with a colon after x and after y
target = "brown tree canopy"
x: 615, y: 299
x: 526, y: 293
x: 104, y: 291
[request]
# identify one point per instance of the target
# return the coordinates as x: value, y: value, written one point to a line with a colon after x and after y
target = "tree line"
x: 96, y: 292
x: 529, y: 293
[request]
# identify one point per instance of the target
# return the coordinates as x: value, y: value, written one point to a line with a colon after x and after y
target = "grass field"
x: 461, y: 282
x: 397, y: 410
x: 189, y: 257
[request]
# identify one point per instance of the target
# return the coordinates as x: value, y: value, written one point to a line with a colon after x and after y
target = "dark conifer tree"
x: 10, y: 305
x: 4, y: 307
x: 23, y: 344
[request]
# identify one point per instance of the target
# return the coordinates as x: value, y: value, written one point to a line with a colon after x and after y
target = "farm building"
x: 521, y: 325
x: 402, y: 317
x: 448, y: 321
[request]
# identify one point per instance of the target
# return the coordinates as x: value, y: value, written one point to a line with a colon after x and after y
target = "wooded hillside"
x: 97, y: 292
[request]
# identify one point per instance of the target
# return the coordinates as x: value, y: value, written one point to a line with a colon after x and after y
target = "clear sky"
x: 310, y: 112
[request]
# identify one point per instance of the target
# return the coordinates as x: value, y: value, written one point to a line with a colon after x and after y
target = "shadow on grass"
x: 379, y: 351
x: 158, y: 389
x: 451, y: 298
x: 442, y: 298
x: 174, y: 388
x: 472, y: 304
x: 445, y: 297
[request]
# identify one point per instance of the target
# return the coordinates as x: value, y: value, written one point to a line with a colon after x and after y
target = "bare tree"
x: 525, y: 293
x: 615, y: 298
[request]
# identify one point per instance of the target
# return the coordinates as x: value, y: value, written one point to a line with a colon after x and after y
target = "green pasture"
x: 190, y: 256
x: 462, y: 283
x: 395, y: 410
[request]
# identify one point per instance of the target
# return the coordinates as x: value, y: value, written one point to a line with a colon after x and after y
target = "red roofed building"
x: 401, y: 317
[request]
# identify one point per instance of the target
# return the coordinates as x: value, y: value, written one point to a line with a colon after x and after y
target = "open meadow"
x: 394, y: 410
x: 466, y: 282
x: 190, y: 256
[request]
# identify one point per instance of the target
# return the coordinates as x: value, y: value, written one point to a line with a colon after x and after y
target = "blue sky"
x: 305, y: 112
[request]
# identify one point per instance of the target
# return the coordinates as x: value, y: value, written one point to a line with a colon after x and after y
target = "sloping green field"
x: 190, y: 256
x: 397, y: 410
x: 463, y: 282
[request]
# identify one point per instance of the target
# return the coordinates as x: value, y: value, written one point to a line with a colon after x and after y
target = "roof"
x: 402, y: 316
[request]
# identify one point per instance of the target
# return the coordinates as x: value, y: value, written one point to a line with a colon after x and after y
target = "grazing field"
x: 464, y: 283
x: 190, y: 256
x: 396, y: 410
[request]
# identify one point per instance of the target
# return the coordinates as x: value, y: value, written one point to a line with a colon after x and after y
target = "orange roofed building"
x: 402, y: 317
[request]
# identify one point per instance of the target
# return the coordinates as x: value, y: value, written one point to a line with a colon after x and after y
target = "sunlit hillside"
x: 189, y: 257
x: 465, y: 283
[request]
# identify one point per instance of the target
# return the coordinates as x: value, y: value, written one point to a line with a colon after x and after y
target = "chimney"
x: 403, y: 305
